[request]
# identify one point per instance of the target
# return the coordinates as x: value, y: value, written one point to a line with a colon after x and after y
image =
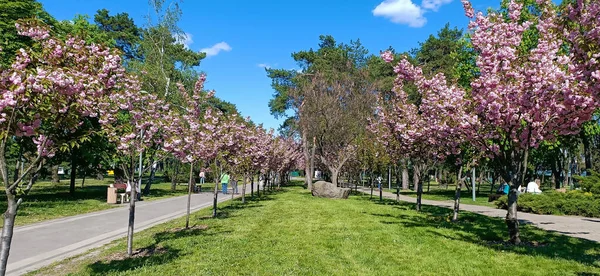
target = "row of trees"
x: 517, y: 94
x: 119, y: 93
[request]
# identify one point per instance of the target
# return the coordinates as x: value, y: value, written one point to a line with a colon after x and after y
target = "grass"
x: 441, y: 193
x: 50, y: 201
x: 292, y: 233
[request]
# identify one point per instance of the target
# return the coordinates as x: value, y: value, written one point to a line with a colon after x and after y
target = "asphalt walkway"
x: 37, y: 245
x: 580, y: 227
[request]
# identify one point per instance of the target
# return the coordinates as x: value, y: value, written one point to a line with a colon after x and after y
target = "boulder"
x: 329, y: 190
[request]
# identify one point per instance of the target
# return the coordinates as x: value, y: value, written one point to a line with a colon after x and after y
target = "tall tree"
x: 123, y: 31
x: 10, y: 12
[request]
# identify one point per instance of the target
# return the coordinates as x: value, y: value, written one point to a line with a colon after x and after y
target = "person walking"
x: 224, y: 182
x: 202, y: 176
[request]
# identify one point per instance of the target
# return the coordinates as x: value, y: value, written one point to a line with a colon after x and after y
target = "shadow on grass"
x: 145, y: 256
x: 157, y: 254
x: 492, y: 233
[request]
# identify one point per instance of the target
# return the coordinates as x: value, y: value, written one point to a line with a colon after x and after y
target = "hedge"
x: 574, y: 203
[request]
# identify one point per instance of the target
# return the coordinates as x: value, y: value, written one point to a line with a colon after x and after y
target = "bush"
x: 590, y: 183
x: 574, y: 203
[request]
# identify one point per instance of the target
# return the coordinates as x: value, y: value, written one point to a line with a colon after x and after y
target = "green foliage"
x: 574, y: 203
x: 81, y: 27
x: 590, y: 183
x: 122, y: 30
x: 10, y: 12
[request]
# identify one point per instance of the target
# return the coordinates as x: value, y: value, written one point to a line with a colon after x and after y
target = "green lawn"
x: 437, y: 192
x: 49, y: 201
x: 292, y: 233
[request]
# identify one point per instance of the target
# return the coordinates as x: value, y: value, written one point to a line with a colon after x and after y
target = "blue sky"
x: 254, y: 34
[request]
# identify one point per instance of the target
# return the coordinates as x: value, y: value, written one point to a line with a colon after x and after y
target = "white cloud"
x: 434, y: 5
x: 407, y: 12
x: 264, y: 65
x: 185, y: 39
x: 216, y: 49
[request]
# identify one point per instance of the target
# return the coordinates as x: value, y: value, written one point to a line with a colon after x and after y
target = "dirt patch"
x: 140, y: 253
x: 532, y: 244
x: 195, y: 227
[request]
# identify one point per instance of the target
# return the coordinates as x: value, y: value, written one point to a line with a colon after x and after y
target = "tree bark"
x: 73, y: 173
x: 216, y: 192
x: 457, y: 197
x: 83, y: 180
x: 7, y: 230
x: 174, y: 177
x: 405, y: 182
x: 55, y: 176
x: 244, y: 188
x: 151, y: 179
x: 307, y: 168
x: 131, y: 217
x: 334, y: 175
x: 189, y: 199
x: 419, y: 196
x: 511, y: 216
x: 416, y: 178
x: 251, y: 185
x: 587, y: 152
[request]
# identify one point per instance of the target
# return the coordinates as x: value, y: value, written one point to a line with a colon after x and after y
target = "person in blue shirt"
x: 506, y: 188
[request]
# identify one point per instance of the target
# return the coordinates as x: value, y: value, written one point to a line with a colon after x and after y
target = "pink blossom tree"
x: 523, y: 97
x: 427, y: 132
x: 190, y: 133
x: 134, y: 121
x: 45, y: 94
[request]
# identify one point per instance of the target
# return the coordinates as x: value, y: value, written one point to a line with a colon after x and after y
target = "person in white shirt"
x: 534, y: 187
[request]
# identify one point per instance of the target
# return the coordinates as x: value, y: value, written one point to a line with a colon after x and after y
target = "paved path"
x: 580, y: 227
x: 37, y: 245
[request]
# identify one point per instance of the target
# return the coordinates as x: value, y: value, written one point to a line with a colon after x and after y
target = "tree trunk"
x: 7, y: 230
x: 457, y: 197
x: 131, y: 216
x: 334, y: 175
x: 251, y: 185
x: 416, y: 180
x: 371, y: 184
x: 151, y: 179
x: 244, y: 188
x: 405, y: 182
x: 55, y: 175
x: 307, y: 172
x: 587, y: 152
x: 83, y: 180
x: 174, y: 177
x: 312, y: 160
x: 216, y: 193
x: 189, y: 199
x: 419, y: 194
x: 73, y: 173
x: 511, y: 216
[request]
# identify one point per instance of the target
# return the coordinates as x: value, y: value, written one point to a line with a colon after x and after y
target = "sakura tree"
x: 522, y: 96
x: 46, y: 93
x: 134, y: 121
x: 426, y: 132
x: 191, y: 132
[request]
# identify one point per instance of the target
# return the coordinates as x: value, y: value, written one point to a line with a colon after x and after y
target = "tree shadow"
x: 492, y: 233
x: 117, y: 263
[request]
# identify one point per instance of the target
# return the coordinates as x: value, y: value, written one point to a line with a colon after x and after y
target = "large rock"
x: 329, y: 190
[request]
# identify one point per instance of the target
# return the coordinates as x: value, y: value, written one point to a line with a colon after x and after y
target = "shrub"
x: 590, y: 183
x: 574, y: 203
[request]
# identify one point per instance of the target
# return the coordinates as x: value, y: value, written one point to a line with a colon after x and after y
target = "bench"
x: 124, y: 196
